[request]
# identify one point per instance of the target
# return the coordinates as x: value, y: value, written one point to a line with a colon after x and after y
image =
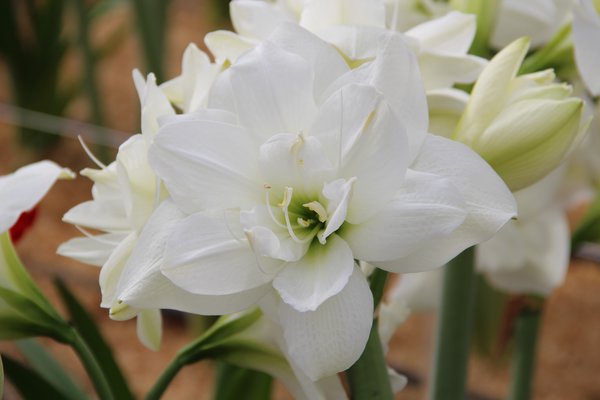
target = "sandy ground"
x: 568, y: 357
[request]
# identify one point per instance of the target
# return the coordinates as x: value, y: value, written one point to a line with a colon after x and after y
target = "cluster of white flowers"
x: 263, y: 178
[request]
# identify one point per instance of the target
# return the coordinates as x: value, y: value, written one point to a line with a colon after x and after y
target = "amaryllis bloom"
x: 24, y: 188
x: 530, y: 255
x: 302, y: 166
x: 441, y: 45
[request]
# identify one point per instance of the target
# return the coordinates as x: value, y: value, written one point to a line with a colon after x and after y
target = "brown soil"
x: 568, y: 356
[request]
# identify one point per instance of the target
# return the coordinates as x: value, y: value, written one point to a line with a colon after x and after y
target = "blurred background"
x: 65, y: 71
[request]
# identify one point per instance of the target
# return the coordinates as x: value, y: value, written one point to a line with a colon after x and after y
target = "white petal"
x: 330, y: 339
x: 269, y: 239
x: 91, y: 250
x: 489, y: 202
x: 273, y: 91
x: 339, y: 193
x: 226, y: 45
x: 445, y: 109
x: 427, y: 208
x: 295, y: 161
x: 546, y: 245
x: 110, y: 274
x: 149, y: 328
x: 153, y: 101
x: 23, y: 189
x: 586, y: 37
x: 395, y: 73
x: 452, y: 33
x: 320, y: 14
x: 444, y: 70
x: 324, y: 59
x: 207, y: 254
x: 366, y: 141
x: 104, y: 215
x: 256, y: 19
x: 322, y: 273
x: 207, y: 164
x: 142, y: 284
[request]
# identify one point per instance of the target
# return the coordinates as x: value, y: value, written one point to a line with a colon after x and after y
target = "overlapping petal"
x: 331, y: 338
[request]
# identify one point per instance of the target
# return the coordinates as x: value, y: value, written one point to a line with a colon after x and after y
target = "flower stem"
x: 526, y: 335
x: 91, y: 366
x: 368, y: 377
x: 454, y: 329
x: 165, y: 379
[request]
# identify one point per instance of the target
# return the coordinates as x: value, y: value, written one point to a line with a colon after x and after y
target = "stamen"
x: 90, y: 154
x: 268, y: 201
x: 287, y: 199
x: 303, y: 222
x: 318, y: 208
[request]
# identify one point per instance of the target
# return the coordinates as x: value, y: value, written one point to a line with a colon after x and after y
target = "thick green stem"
x: 454, y: 329
x: 368, y: 377
x: 165, y: 379
x: 526, y: 335
x: 92, y: 367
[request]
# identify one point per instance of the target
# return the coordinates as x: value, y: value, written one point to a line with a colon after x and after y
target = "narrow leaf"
x: 91, y: 335
x: 48, y: 368
x: 28, y: 382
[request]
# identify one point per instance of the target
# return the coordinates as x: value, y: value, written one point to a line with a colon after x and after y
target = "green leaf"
x: 24, y: 313
x: 240, y: 383
x: 91, y: 335
x: 28, y: 382
x: 49, y: 369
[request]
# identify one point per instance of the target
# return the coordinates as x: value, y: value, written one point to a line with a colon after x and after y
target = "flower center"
x: 302, y: 220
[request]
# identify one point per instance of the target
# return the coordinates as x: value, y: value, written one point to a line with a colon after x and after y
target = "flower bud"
x: 523, y: 126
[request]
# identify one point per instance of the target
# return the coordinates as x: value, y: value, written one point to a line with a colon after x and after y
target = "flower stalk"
x: 455, y: 323
x: 368, y: 377
x: 526, y: 336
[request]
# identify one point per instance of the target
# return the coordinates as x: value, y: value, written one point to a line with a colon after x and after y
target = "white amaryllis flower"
x: 24, y: 188
x: 308, y: 166
x: 189, y: 90
x: 531, y: 254
x: 126, y: 192
x: 353, y: 27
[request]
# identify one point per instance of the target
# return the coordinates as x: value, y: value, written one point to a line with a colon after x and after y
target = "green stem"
x: 368, y: 377
x: 165, y: 379
x: 91, y: 366
x: 454, y: 329
x: 526, y: 336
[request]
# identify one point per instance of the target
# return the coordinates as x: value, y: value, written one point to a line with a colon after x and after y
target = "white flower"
x: 536, y: 19
x: 531, y: 254
x: 586, y: 38
x: 24, y: 188
x: 354, y: 27
x: 307, y: 167
x: 189, y: 90
x: 126, y: 194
